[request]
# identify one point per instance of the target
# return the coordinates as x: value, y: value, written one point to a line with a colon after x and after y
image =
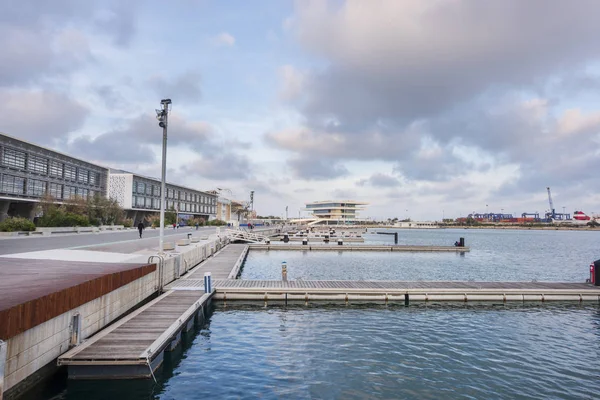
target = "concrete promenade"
x: 125, y: 241
x: 60, y: 290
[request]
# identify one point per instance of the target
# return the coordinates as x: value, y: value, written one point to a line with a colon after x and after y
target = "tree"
x: 170, y: 216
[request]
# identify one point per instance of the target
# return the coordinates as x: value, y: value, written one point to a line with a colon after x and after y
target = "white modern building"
x: 29, y: 172
x: 140, y: 197
x: 335, y: 212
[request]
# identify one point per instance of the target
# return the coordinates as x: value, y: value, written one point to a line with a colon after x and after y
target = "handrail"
x: 161, y: 267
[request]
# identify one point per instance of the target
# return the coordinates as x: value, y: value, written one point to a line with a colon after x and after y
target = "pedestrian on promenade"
x: 141, y: 227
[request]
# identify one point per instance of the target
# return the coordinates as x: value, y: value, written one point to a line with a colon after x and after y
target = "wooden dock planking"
x: 137, y: 340
x: 430, y: 290
x: 311, y: 246
x: 222, y: 264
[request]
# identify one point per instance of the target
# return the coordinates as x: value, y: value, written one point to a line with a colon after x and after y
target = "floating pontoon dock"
x: 311, y: 246
x: 134, y: 347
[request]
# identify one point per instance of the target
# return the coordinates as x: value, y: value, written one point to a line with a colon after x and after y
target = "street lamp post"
x: 162, y: 115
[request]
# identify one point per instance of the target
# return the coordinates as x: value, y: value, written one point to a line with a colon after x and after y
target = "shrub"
x: 16, y: 225
x: 216, y: 222
x: 127, y: 222
x: 60, y: 218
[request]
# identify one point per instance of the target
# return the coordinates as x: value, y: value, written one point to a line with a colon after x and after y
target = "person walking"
x: 141, y: 227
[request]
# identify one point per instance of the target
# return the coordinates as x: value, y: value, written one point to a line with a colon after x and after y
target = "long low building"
x: 140, y: 196
x: 28, y: 172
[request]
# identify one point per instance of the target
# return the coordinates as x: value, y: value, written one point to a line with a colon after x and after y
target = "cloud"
x: 223, y: 40
x: 40, y: 116
x: 222, y: 166
x: 132, y: 142
x: 292, y: 83
x: 316, y: 168
x: 430, y: 56
x: 379, y: 180
x: 46, y: 39
x: 437, y: 90
x: 185, y: 87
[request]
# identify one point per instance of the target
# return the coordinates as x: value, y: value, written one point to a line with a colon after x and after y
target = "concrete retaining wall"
x: 37, y: 347
x: 33, y: 349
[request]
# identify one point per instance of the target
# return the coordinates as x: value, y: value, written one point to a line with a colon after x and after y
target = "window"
x: 35, y: 187
x: 82, y: 175
x: 141, y: 187
x: 155, y: 203
x: 83, y: 193
x: 70, y: 172
x: 135, y: 184
x: 37, y: 164
x: 149, y: 189
x: 155, y: 190
x: 55, y: 190
x: 12, y: 184
x: 140, y: 201
x: 56, y: 169
x: 14, y: 158
x: 70, y: 192
x: 94, y: 178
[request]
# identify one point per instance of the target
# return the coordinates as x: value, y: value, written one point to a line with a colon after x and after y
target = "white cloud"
x: 292, y: 83
x: 223, y: 40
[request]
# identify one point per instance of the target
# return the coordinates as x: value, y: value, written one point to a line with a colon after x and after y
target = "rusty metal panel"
x: 35, y: 291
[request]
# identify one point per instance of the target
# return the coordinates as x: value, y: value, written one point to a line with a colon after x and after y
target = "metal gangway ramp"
x: 243, y: 236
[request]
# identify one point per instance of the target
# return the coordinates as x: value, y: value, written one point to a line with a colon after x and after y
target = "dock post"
x: 395, y: 237
x: 207, y: 282
x: 3, y: 346
x: 284, y: 271
x: 462, y: 242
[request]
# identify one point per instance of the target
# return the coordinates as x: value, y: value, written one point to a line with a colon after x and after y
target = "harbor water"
x: 370, y: 351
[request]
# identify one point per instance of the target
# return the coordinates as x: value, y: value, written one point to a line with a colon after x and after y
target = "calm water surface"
x: 496, y: 255
x: 452, y: 351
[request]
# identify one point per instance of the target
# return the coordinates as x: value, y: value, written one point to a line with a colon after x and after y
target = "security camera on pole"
x: 162, y: 115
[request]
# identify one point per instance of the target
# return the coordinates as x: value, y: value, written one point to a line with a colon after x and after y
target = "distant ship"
x: 579, y: 218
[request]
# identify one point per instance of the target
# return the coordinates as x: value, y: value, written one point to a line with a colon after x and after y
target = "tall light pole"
x: 162, y: 115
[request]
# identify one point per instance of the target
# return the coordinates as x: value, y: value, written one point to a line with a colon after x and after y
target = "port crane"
x: 553, y: 215
x: 552, y: 212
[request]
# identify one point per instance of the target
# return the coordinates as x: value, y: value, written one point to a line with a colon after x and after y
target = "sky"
x: 423, y: 109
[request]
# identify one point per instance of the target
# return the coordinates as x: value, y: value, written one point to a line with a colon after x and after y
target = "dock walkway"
x: 134, y: 346
x: 404, y: 291
x: 223, y: 265
x: 333, y: 246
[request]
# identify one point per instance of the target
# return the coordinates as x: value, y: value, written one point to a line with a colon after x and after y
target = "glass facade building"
x: 28, y: 172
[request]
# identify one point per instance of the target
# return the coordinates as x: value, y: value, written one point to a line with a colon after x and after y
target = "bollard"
x: 286, y: 238
x: 395, y: 237
x: 305, y: 241
x: 207, y: 283
x: 189, y: 236
x: 340, y: 242
x: 461, y: 242
x: 267, y: 241
x: 284, y: 271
